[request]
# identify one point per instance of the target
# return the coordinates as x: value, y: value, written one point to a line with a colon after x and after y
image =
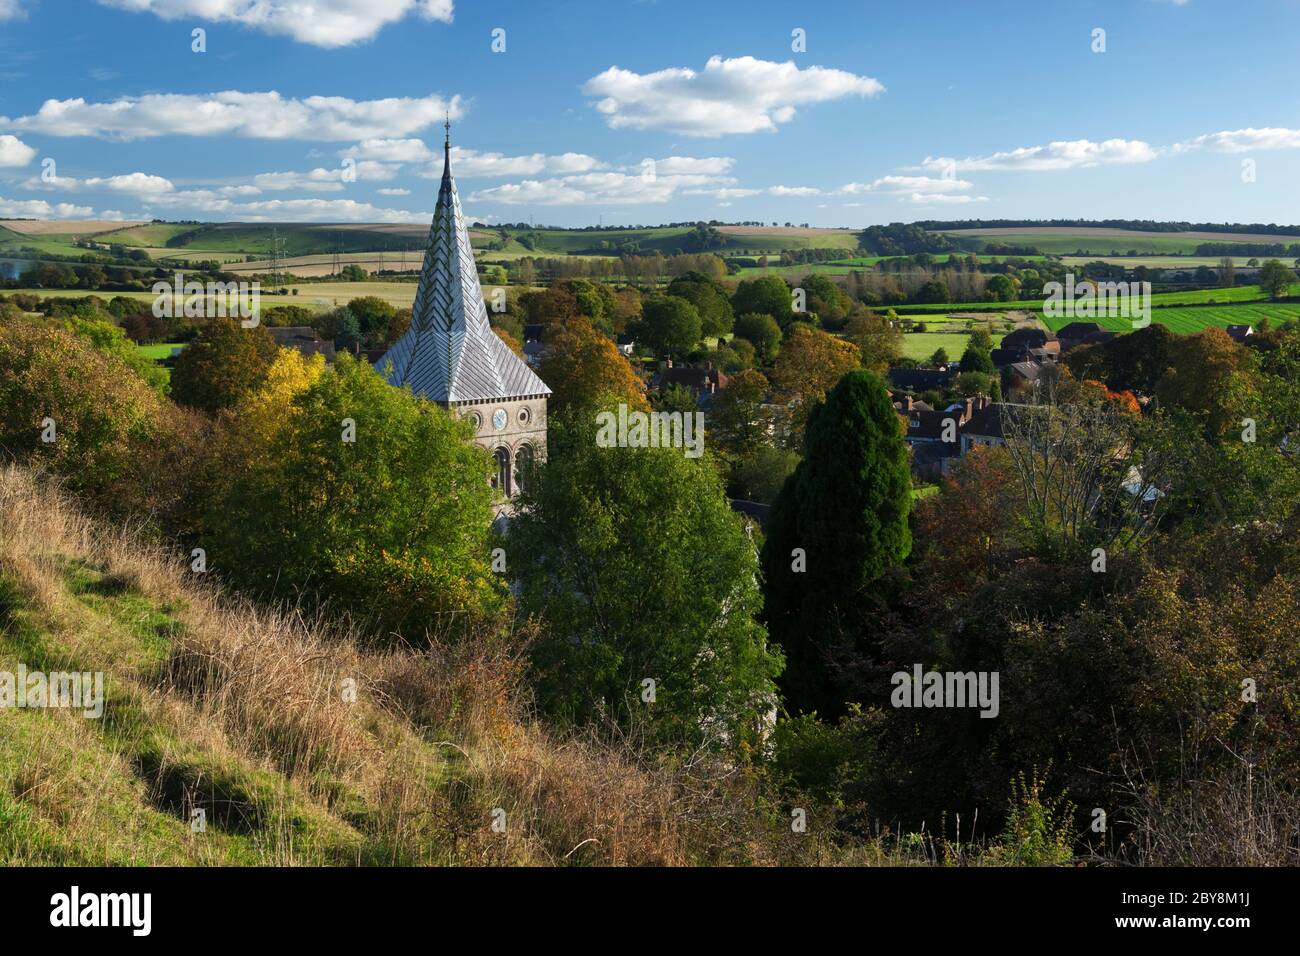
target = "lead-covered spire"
x: 450, y: 353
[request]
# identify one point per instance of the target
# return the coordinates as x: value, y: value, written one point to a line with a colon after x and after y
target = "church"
x: 451, y: 356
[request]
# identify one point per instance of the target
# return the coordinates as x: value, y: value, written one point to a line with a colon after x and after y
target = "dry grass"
x: 78, y: 227
x: 392, y: 756
x: 1234, y: 817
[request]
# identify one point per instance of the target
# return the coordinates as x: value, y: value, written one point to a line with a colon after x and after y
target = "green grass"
x: 1117, y: 242
x: 921, y: 345
x: 152, y: 235
x: 12, y: 242
x: 160, y: 351
x: 118, y: 790
x: 1190, y: 319
x: 1161, y: 262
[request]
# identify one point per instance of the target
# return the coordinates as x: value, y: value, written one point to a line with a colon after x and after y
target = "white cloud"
x: 572, y: 163
x: 389, y: 151
x: 233, y: 113
x: 209, y: 202
x: 738, y: 95
x: 472, y: 164
x: 40, y: 209
x: 13, y: 151
x: 650, y: 181
x: 944, y: 198
x: 393, y: 191
x: 794, y: 191
x: 1064, y: 154
x: 136, y: 184
x: 318, y: 180
x: 112, y: 215
x: 324, y: 23
x: 724, y: 192
x: 694, y: 165
x: 907, y: 184
x: 1242, y: 140
x: 11, y: 10
x: 596, y: 188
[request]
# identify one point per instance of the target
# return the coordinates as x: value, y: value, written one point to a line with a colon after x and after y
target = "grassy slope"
x: 215, y: 704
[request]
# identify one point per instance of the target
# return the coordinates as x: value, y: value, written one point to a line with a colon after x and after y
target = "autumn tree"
x: 809, y: 365
x: 583, y: 366
x: 1210, y: 376
x: 879, y: 342
x: 360, y: 495
x: 73, y: 408
x: 222, y: 365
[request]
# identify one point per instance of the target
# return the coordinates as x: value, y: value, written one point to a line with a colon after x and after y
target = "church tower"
x: 451, y: 356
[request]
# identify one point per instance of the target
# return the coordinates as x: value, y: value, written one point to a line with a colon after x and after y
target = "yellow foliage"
x: 270, y: 409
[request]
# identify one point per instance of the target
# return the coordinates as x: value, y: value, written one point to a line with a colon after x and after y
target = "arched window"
x: 501, y: 481
x: 523, y: 466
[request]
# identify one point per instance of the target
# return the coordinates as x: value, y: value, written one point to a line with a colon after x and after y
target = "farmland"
x: 1099, y: 241
x: 921, y: 345
x: 1191, y: 319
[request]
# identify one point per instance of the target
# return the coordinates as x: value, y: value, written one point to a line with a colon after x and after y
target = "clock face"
x: 499, y: 419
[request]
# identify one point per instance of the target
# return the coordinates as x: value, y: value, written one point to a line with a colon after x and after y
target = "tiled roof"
x: 450, y: 353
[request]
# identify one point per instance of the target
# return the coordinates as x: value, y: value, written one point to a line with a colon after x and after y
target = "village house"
x: 923, y: 379
x: 985, y: 427
x: 1076, y: 333
x: 704, y: 383
x: 935, y: 436
x: 1026, y: 345
x: 304, y: 339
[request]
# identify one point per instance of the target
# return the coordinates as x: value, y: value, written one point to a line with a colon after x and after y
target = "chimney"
x: 970, y: 409
x: 907, y: 403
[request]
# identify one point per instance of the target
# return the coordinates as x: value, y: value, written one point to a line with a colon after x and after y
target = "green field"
x: 153, y: 234
x: 795, y: 273
x: 1191, y: 319
x: 1093, y: 241
x: 1235, y: 294
x: 1161, y: 262
x: 1097, y: 245
x: 53, y: 244
x: 329, y: 294
x: 921, y: 345
x: 160, y: 351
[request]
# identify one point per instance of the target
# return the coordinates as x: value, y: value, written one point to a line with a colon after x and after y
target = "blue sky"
x: 647, y: 111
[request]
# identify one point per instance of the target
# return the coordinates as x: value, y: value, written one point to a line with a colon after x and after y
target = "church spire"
x: 449, y: 353
x: 446, y: 148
